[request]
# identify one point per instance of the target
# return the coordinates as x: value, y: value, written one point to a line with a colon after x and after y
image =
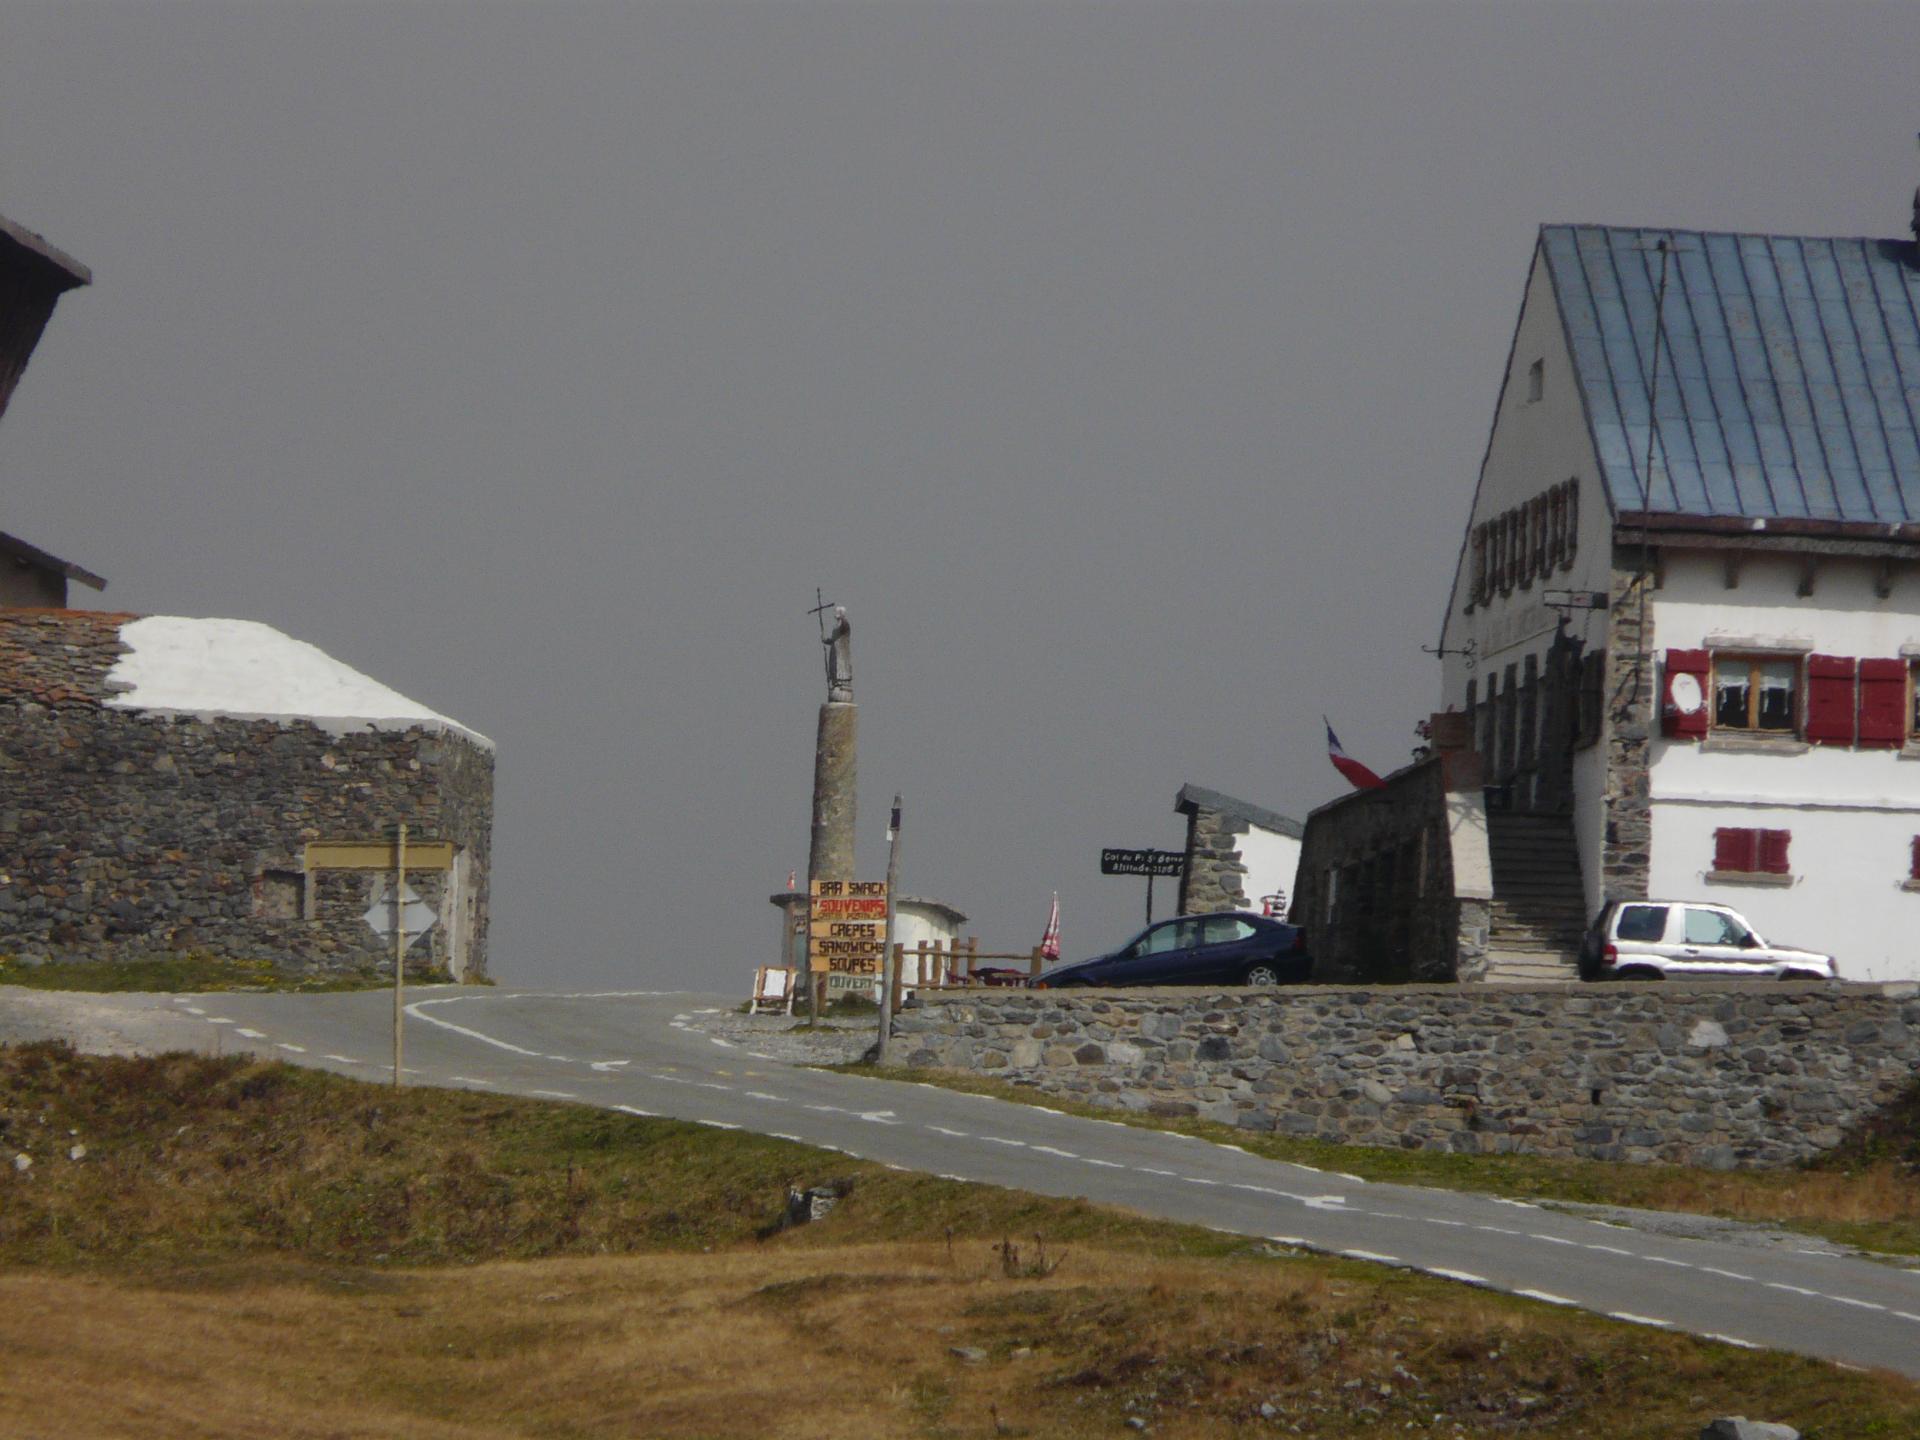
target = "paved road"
x: 643, y: 1052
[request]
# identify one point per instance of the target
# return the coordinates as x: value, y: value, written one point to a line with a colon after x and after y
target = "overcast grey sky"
x: 1124, y: 368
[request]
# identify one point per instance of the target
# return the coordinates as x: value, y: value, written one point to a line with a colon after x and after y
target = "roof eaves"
x: 73, y: 273
x: 1198, y: 797
x: 13, y: 545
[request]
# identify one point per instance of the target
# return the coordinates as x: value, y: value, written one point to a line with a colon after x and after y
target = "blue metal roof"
x: 1789, y: 374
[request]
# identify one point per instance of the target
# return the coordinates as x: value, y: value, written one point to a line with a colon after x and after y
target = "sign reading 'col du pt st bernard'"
x: 847, y: 932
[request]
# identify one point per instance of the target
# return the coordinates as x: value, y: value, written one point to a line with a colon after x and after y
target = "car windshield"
x: 1642, y: 922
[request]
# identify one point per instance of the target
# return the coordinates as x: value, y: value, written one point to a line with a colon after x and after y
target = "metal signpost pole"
x: 887, y: 962
x: 399, y: 947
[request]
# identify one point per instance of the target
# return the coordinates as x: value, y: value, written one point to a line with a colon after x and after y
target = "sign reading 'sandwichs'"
x: 847, y: 932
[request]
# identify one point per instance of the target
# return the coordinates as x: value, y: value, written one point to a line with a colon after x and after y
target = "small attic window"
x: 1536, y: 381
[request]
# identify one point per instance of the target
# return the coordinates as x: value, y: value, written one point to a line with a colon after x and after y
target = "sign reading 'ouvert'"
x: 847, y: 932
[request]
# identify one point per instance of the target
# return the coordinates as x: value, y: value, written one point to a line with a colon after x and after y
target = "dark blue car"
x: 1229, y: 949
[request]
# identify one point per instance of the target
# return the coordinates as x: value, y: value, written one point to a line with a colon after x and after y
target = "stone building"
x: 214, y: 786
x: 1686, y: 614
x: 1239, y: 856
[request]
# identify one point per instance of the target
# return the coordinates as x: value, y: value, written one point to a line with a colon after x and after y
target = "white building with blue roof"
x: 1686, y: 613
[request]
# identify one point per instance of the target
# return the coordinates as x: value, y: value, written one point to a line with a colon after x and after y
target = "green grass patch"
x: 1866, y: 1194
x: 190, y: 972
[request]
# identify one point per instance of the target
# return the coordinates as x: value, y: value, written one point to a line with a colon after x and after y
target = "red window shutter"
x: 1883, y: 702
x: 1736, y: 851
x: 1830, y: 704
x: 1913, y: 867
x: 1773, y: 851
x: 1685, y: 725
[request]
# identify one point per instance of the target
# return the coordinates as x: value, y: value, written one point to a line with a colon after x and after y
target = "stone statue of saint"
x: 840, y: 658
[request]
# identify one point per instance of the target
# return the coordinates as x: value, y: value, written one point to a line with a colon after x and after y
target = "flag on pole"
x: 1050, y: 942
x: 1358, y: 775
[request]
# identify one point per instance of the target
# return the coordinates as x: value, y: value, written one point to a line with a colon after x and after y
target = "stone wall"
x: 125, y: 834
x: 1626, y: 845
x: 1375, y: 890
x: 1721, y: 1075
x: 1214, y: 878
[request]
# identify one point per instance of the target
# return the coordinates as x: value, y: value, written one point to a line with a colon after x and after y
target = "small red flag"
x: 1050, y: 942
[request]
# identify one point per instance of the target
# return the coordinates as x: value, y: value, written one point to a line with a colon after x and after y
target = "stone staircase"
x: 1539, y: 909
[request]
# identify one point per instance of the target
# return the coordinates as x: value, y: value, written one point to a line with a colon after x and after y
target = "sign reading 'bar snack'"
x: 847, y: 931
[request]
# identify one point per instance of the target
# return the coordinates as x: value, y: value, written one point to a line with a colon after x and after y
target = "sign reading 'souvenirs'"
x: 847, y: 932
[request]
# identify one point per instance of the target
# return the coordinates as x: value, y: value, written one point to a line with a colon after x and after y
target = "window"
x: 1224, y: 929
x: 1593, y: 677
x: 1645, y: 923
x: 1750, y: 852
x: 279, y: 895
x: 1755, y: 693
x: 1536, y: 381
x: 1713, y: 927
x: 1174, y: 935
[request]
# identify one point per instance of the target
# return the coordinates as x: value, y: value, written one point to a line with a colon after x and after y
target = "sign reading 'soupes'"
x: 847, y: 931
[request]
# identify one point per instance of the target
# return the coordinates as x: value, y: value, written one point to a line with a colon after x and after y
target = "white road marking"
x: 782, y: 1135
x: 1196, y: 1180
x: 717, y: 1124
x: 195, y: 1010
x: 1103, y: 1164
x: 878, y: 1117
x: 1725, y: 1274
x: 943, y: 1130
x: 1663, y: 1260
x: 710, y: 1010
x: 711, y: 1085
x: 1791, y: 1289
x: 758, y: 1056
x: 1149, y: 1170
x: 1552, y: 1239
x: 564, y: 1060
x: 1377, y: 1258
x: 1002, y: 1140
x: 1633, y: 1319
x: 723, y: 1044
x: 1857, y: 1304
x: 635, y: 1110
x: 1606, y: 1249
x: 1465, y: 1277
x: 762, y: 1095
x: 218, y: 1020
x: 419, y: 1008
x: 343, y: 1059
x: 605, y: 1066
x: 1503, y: 1230
x: 1546, y: 1297
x: 1731, y: 1340
x: 1907, y: 1315
x: 476, y: 1080
x: 1457, y: 1224
x: 296, y: 1049
x: 1323, y: 1202
x: 555, y: 1094
x: 251, y: 1034
x: 1054, y: 1150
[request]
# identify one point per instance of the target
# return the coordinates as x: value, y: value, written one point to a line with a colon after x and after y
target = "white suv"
x: 1651, y: 939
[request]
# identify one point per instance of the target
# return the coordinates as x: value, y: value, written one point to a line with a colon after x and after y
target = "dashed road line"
x: 251, y: 1034
x: 1465, y: 1277
x: 296, y: 1049
x: 1372, y: 1255
x: 1632, y: 1319
x: 635, y: 1110
x: 1546, y: 1297
x: 343, y: 1059
x: 555, y: 1094
x: 1731, y: 1340
x: 1002, y: 1140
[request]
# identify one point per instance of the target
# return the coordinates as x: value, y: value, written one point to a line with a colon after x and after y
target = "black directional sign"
x: 1142, y: 862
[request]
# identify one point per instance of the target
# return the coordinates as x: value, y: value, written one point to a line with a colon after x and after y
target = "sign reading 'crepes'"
x: 1142, y: 862
x: 847, y: 931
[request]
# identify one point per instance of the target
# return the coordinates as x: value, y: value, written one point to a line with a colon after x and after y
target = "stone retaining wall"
x: 1719, y: 1075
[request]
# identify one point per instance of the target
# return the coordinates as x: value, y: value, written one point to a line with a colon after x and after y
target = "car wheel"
x: 1263, y: 973
x: 1639, y: 972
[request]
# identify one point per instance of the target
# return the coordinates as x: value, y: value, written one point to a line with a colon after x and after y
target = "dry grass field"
x: 247, y: 1249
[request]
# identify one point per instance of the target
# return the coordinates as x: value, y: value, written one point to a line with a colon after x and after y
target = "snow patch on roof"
x: 246, y: 670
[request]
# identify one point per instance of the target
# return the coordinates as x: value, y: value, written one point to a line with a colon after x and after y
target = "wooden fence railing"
x: 960, y: 963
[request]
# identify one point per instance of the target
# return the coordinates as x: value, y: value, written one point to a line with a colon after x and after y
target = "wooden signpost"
x: 847, y: 933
